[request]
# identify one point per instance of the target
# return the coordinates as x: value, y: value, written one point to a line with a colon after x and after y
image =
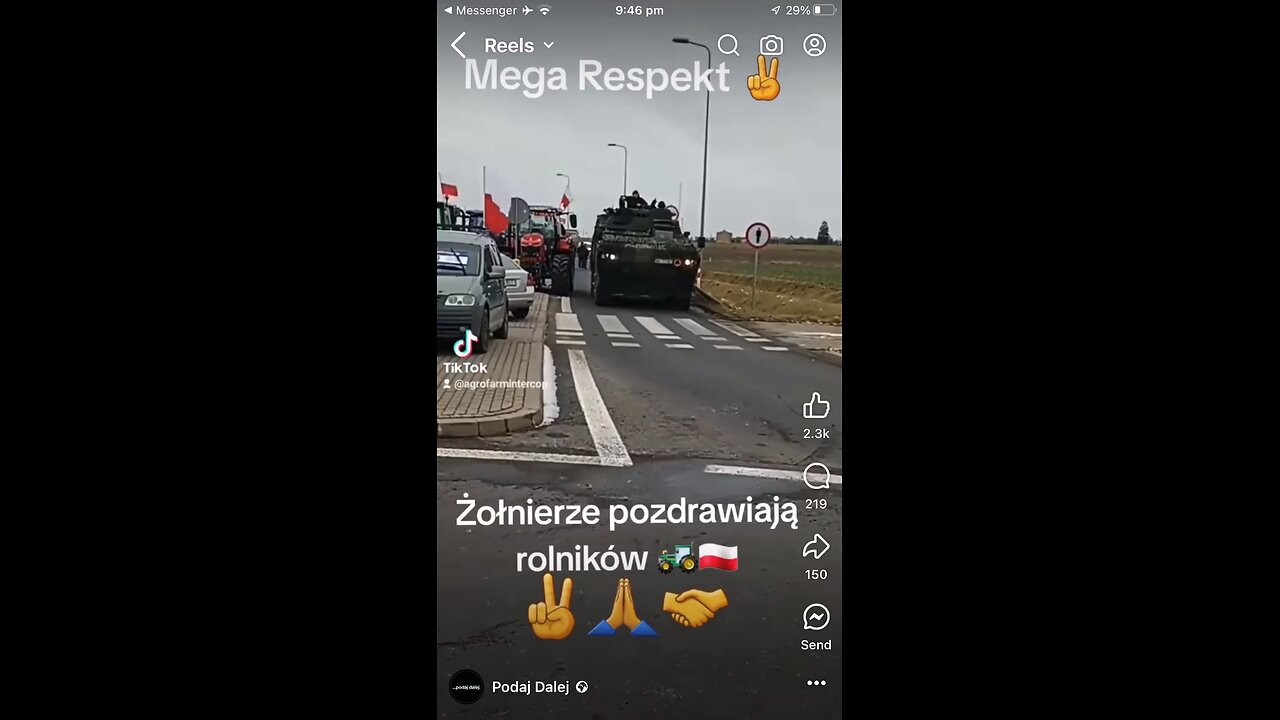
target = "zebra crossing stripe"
x: 621, y: 336
x: 711, y: 337
x: 774, y: 348
x: 612, y: 324
x: 570, y: 333
x: 567, y: 321
x: 693, y: 326
x: 756, y: 339
x: 562, y: 341
x: 680, y: 346
x: 653, y: 326
x: 622, y: 344
x: 735, y: 329
x: 727, y: 347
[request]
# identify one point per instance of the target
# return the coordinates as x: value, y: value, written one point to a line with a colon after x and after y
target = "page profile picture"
x: 466, y: 686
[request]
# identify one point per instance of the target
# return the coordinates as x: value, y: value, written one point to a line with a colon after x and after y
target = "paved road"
x: 641, y: 422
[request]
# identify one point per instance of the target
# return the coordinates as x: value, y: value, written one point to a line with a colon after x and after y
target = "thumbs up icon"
x: 817, y: 408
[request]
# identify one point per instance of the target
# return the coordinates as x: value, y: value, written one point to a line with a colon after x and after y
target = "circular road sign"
x: 758, y: 235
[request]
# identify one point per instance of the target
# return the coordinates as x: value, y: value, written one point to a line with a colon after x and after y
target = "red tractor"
x: 546, y: 249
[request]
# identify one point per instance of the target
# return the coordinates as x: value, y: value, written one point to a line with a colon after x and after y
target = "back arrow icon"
x: 454, y: 45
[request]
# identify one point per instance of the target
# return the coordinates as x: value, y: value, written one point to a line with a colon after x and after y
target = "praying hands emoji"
x: 623, y: 613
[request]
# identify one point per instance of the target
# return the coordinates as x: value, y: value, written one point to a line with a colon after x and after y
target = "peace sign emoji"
x: 549, y: 620
x: 762, y: 86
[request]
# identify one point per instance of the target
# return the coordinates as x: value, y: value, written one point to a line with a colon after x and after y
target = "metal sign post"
x: 757, y: 236
x: 754, y: 275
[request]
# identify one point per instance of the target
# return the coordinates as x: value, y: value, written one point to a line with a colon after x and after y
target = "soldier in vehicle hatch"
x: 635, y: 201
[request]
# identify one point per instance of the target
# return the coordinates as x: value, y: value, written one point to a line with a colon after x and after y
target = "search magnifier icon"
x: 733, y: 48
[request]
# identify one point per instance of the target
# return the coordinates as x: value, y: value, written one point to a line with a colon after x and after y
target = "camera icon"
x: 770, y: 45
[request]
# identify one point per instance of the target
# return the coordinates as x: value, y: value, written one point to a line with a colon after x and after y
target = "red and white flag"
x: 447, y: 190
x: 497, y: 199
x: 718, y: 557
x: 566, y: 198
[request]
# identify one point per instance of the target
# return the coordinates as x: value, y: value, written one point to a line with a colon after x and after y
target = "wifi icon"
x: 544, y: 9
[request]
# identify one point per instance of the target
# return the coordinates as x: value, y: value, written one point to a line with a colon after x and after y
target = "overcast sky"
x: 776, y: 162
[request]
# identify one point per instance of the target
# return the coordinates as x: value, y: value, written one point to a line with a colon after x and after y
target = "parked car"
x: 520, y: 289
x: 470, y: 295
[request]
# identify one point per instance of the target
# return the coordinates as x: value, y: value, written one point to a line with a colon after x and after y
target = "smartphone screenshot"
x: 639, y: 353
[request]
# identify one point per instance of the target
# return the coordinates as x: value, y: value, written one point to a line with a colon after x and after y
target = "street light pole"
x: 706, y: 128
x: 624, y: 165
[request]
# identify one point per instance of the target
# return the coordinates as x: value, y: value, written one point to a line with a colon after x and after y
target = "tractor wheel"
x: 687, y: 564
x: 664, y: 567
x: 561, y: 275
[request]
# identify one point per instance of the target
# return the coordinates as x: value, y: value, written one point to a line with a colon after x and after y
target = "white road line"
x: 680, y: 346
x: 550, y: 406
x: 565, y: 307
x: 611, y: 324
x: 767, y: 473
x: 757, y: 339
x: 653, y: 326
x: 567, y: 321
x: 667, y: 337
x: 735, y: 329
x: 508, y: 455
x: 693, y: 326
x: 774, y: 348
x: 621, y: 336
x: 727, y: 347
x: 562, y: 341
x: 608, y: 442
x: 571, y: 333
x: 622, y: 344
x: 711, y: 337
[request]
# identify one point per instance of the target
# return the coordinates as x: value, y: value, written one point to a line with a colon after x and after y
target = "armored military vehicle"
x: 640, y: 253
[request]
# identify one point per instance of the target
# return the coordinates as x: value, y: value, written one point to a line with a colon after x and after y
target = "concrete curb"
x: 530, y: 415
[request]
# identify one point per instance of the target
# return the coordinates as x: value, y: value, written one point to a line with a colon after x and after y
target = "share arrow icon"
x: 817, y: 547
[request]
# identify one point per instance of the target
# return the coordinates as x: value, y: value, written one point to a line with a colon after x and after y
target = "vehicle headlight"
x: 613, y: 256
x: 456, y: 300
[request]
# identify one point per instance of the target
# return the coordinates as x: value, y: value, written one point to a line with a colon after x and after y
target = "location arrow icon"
x: 817, y: 547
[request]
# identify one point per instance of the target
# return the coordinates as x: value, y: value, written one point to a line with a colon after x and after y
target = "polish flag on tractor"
x: 566, y: 198
x: 449, y: 191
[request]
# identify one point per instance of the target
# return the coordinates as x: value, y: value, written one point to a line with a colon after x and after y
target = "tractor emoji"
x: 682, y: 558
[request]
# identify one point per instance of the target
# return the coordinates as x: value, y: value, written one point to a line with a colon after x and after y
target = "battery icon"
x: 824, y: 9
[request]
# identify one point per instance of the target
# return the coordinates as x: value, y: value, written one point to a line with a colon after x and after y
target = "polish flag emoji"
x: 718, y: 557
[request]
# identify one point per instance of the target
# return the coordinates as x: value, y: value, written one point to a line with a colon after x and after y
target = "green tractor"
x: 682, y: 558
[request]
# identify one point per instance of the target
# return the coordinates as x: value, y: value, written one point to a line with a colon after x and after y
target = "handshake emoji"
x: 693, y: 608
